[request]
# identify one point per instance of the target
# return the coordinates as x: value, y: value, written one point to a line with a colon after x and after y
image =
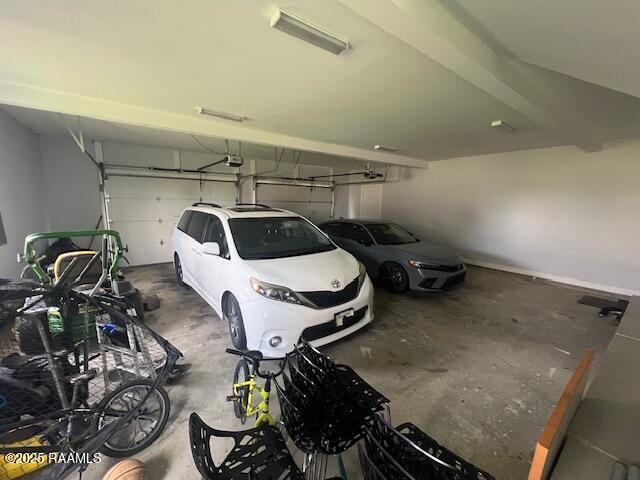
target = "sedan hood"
x: 308, y: 273
x: 429, y: 251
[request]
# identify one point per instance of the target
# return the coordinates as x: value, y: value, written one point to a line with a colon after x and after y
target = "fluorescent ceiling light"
x: 287, y: 23
x: 382, y: 148
x: 504, y: 126
x: 216, y: 113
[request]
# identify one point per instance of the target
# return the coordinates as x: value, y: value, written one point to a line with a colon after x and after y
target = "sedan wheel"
x: 394, y: 277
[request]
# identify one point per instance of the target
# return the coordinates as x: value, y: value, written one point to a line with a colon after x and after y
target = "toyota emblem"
x: 336, y: 283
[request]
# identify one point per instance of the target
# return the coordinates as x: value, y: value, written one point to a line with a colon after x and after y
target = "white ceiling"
x: 51, y: 123
x: 594, y: 40
x: 110, y: 60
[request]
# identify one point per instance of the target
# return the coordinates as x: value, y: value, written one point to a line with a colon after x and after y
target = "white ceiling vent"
x: 287, y: 23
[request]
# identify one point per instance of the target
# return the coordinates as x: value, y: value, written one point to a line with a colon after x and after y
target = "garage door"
x: 313, y: 203
x: 145, y: 210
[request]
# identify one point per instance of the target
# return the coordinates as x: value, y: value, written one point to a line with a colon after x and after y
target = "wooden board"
x: 555, y: 430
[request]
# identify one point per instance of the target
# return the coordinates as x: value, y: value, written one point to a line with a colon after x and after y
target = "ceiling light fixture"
x: 287, y: 23
x: 504, y: 126
x: 382, y: 148
x: 216, y: 113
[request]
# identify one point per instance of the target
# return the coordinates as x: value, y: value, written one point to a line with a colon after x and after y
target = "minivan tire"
x: 233, y: 316
x: 178, y: 267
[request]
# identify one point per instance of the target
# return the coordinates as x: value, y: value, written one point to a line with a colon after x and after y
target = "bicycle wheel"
x: 145, y: 426
x: 240, y: 375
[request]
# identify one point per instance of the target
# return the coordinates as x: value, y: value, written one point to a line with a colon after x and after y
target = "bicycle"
x: 245, y: 386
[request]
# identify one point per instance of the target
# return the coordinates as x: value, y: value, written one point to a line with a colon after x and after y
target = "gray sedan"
x: 396, y: 257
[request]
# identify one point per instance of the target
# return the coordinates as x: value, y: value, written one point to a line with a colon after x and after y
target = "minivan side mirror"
x: 211, y: 248
x: 364, y: 241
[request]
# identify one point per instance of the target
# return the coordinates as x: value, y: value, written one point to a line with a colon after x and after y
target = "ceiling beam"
x: 430, y: 28
x: 65, y: 103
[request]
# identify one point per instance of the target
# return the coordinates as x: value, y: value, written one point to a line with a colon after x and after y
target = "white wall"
x: 557, y: 213
x: 71, y: 185
x: 22, y: 203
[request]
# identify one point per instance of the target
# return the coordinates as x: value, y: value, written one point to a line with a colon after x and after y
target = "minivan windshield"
x: 390, y: 234
x: 260, y: 238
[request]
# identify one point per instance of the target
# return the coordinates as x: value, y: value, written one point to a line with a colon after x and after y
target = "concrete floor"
x: 479, y: 368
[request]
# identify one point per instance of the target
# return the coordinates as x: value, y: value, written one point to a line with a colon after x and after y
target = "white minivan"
x: 272, y: 275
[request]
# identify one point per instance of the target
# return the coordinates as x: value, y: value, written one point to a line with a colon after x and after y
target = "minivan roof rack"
x: 205, y: 203
x: 262, y: 205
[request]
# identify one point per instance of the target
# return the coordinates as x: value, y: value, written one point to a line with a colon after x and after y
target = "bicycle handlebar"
x: 256, y: 364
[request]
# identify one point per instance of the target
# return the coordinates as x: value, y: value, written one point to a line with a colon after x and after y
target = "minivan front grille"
x: 329, y: 328
x: 327, y: 299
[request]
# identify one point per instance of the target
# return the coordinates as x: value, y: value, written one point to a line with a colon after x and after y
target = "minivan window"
x: 215, y: 233
x: 261, y: 238
x: 183, y: 223
x: 196, y: 225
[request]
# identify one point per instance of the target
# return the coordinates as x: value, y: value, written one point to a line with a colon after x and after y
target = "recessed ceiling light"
x: 383, y: 148
x: 296, y: 26
x: 224, y: 115
x: 504, y: 126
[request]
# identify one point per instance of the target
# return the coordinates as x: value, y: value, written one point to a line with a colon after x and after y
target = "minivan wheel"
x: 178, y: 267
x: 236, y: 324
x: 394, y: 277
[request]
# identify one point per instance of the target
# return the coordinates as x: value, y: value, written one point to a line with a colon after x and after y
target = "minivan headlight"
x: 274, y: 292
x: 361, y: 275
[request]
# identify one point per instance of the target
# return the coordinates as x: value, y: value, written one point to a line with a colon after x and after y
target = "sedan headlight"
x: 274, y: 292
x: 425, y: 265
x: 361, y: 275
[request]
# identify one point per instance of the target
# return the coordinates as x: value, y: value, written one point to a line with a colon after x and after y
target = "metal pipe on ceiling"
x: 363, y: 182
x: 202, y: 177
x: 293, y: 182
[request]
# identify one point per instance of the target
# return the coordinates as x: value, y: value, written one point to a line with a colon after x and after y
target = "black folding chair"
x: 257, y: 454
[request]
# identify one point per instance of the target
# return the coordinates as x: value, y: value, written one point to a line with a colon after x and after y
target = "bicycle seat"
x: 254, y: 355
x: 82, y: 377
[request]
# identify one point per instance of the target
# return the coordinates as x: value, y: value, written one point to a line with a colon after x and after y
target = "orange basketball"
x: 130, y: 469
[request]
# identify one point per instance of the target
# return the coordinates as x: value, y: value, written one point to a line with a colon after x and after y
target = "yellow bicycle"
x: 245, y: 388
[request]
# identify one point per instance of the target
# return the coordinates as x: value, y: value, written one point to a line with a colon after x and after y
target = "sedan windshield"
x: 277, y: 237
x: 390, y: 234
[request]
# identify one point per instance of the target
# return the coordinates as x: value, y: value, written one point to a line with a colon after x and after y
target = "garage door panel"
x: 145, y: 211
x: 148, y: 254
x: 316, y: 212
x: 298, y: 194
x: 150, y: 187
x: 311, y: 203
x: 148, y: 231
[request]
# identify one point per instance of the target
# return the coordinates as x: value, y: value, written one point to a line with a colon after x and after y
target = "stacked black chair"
x: 326, y: 407
x: 406, y: 452
x: 258, y: 454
